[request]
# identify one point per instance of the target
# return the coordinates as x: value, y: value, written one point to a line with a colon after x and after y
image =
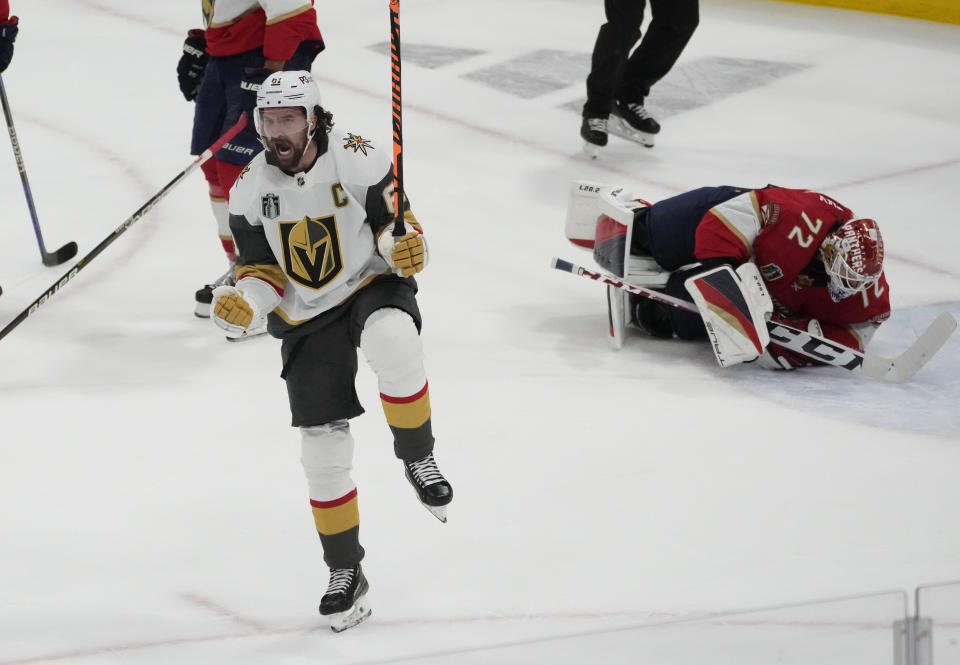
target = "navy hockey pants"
x: 667, y: 232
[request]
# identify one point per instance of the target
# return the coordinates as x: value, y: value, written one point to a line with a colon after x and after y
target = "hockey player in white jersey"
x: 312, y: 216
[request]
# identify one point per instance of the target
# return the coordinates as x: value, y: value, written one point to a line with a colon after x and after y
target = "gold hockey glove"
x: 406, y: 255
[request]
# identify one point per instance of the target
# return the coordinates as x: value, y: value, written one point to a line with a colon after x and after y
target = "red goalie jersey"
x: 791, y: 234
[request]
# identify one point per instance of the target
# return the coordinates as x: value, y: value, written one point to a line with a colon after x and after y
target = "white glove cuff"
x: 263, y: 298
x: 387, y: 240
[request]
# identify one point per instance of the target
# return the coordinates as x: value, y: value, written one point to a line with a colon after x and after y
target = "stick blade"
x: 908, y: 363
x: 62, y: 255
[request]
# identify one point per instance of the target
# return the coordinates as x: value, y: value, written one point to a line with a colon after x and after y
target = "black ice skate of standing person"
x: 619, y: 81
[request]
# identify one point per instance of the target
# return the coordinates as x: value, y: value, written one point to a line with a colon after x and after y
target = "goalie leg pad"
x: 582, y: 213
x: 736, y: 325
x: 618, y: 315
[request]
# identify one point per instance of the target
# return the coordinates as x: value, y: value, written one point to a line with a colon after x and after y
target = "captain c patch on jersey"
x: 270, y: 206
x: 311, y: 250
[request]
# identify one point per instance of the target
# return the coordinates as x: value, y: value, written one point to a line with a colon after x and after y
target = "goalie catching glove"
x: 238, y: 309
x: 407, y: 254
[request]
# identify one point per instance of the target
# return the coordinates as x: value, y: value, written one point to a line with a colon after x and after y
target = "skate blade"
x: 440, y: 512
x: 247, y: 334
x: 619, y: 127
x: 591, y: 150
x: 356, y: 615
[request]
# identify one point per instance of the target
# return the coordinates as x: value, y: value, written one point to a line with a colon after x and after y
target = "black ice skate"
x: 204, y: 296
x: 594, y: 133
x: 432, y: 488
x: 631, y: 121
x: 345, y: 600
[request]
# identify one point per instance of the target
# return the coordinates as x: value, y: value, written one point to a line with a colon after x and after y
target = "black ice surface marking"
x: 427, y: 55
x: 704, y: 81
x: 536, y: 73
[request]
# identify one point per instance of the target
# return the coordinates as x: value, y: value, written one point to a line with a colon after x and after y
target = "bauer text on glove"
x: 193, y: 63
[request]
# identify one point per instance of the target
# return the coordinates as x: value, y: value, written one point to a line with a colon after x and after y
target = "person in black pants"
x: 618, y: 84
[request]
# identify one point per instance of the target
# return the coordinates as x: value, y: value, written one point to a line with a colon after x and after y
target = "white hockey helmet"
x: 853, y: 257
x: 294, y: 89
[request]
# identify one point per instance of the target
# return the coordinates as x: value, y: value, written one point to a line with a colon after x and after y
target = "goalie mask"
x: 286, y: 116
x: 853, y: 257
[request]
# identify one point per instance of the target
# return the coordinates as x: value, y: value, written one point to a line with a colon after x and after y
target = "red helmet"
x: 853, y: 256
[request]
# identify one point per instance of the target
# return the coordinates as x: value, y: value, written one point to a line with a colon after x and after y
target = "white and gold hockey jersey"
x: 311, y: 235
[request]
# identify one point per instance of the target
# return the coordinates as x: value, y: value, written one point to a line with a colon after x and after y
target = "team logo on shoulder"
x: 245, y: 171
x: 358, y: 143
x: 311, y: 250
x: 771, y: 272
x: 771, y: 213
x: 270, y: 206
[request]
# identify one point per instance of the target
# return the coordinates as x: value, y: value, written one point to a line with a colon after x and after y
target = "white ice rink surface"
x: 148, y: 514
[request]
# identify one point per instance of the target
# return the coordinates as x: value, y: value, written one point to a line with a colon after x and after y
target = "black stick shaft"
x: 397, y: 118
x: 20, y: 166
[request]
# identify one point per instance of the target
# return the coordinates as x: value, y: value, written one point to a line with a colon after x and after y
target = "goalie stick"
x: 106, y: 242
x: 893, y: 370
x: 69, y: 250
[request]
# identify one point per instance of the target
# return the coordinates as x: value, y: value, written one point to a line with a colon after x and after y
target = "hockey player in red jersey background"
x: 822, y: 266
x: 8, y: 34
x: 221, y: 68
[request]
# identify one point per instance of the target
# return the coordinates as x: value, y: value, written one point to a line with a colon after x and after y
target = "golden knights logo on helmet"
x: 311, y: 250
x: 270, y: 206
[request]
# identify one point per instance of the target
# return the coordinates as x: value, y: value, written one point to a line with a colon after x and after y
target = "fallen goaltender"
x: 757, y: 272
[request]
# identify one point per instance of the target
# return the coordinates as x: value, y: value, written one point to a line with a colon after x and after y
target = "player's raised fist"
x: 231, y: 311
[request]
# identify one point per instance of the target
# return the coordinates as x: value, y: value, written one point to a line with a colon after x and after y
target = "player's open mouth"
x: 284, y: 149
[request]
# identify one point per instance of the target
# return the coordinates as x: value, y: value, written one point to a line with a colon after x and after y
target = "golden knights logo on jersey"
x: 270, y: 206
x: 311, y: 250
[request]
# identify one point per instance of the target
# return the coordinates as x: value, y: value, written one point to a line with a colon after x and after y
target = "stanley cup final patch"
x: 270, y: 206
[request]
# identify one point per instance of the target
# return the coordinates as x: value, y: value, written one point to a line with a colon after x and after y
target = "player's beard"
x: 285, y: 152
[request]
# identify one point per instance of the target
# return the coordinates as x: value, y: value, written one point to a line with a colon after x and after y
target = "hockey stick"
x: 106, y: 242
x: 69, y: 250
x: 397, y: 119
x: 894, y: 370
